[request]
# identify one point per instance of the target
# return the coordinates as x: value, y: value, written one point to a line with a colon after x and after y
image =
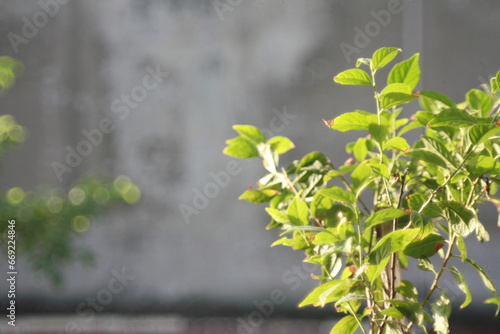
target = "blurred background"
x: 125, y: 108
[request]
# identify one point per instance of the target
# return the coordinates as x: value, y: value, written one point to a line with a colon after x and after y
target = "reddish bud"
x: 352, y: 269
x: 349, y: 162
x: 438, y: 246
x: 329, y: 123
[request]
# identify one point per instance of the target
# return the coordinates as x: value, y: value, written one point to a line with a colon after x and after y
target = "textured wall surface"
x: 172, y: 77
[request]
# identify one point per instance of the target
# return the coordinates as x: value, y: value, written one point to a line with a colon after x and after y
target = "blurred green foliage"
x: 50, y: 221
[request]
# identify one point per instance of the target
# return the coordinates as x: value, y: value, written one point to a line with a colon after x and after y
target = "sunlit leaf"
x: 383, y: 56
x: 441, y: 310
x: 407, y: 72
x: 462, y: 285
x: 353, y: 76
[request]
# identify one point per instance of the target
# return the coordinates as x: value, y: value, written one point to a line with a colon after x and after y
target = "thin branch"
x: 392, y: 280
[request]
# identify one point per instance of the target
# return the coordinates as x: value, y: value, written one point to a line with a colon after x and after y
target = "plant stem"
x: 357, y: 320
x: 392, y: 280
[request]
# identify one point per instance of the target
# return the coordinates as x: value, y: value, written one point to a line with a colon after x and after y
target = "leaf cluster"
x: 423, y: 196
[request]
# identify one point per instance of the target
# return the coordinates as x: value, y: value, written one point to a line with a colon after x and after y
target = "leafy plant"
x: 423, y: 198
x: 49, y: 222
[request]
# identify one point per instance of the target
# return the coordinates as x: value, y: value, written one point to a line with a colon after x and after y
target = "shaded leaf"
x: 426, y: 247
x: 383, y: 216
x: 429, y: 157
x: 484, y: 277
x: 462, y: 285
x: 453, y: 117
x: 411, y: 310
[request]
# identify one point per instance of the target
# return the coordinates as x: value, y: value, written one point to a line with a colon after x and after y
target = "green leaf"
x: 360, y: 175
x: 422, y: 222
x: 353, y: 76
x: 396, y: 94
x: 494, y: 300
x: 397, y: 144
x: 379, y: 132
x: 259, y: 195
x: 383, y: 216
x: 380, y: 169
x: 479, y: 101
x: 360, y: 149
x: 408, y: 290
x: 281, y: 144
x: 383, y: 56
x: 416, y: 201
x: 484, y: 165
x: 240, y: 147
x: 397, y: 240
x: 346, y: 325
x: 458, y: 215
x: 462, y: 285
x: 462, y: 247
x: 329, y: 288
x: 356, y: 120
x: 298, y: 212
x: 380, y: 261
x: 484, y: 277
x: 407, y: 72
x: 435, y: 96
x: 453, y: 117
x: 250, y: 133
x: 411, y: 310
x: 426, y: 247
x: 409, y: 127
x: 338, y: 194
x: 311, y: 158
x: 426, y: 265
x: 324, y: 238
x: 438, y: 148
x: 481, y: 133
x: 495, y: 83
x: 392, y: 312
x: 429, y: 157
x: 441, y: 310
x: 278, y: 215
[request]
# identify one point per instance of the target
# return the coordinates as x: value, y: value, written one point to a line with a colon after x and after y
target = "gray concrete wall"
x: 245, y: 65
